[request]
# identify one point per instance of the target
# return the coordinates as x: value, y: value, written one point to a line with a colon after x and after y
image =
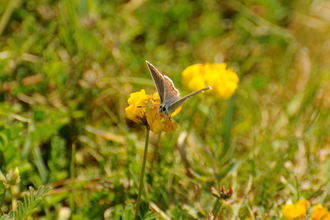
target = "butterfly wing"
x: 171, y: 94
x: 158, y: 79
x: 180, y: 101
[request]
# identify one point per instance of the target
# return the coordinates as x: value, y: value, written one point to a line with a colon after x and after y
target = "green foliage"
x: 120, y: 212
x: 68, y: 67
x: 5, y: 217
x: 26, y: 209
x: 144, y: 213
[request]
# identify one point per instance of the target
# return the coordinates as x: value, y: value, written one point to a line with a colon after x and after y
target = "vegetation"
x: 67, y: 69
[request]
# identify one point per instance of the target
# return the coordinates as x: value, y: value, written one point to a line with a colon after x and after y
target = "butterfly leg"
x: 168, y: 115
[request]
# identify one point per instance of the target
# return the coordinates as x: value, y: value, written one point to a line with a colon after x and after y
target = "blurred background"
x: 68, y: 67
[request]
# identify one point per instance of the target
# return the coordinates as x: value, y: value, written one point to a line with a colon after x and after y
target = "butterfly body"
x: 169, y: 96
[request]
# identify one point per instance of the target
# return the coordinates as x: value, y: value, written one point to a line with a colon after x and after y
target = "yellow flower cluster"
x: 223, y: 81
x: 138, y: 112
x: 292, y: 211
x: 320, y: 213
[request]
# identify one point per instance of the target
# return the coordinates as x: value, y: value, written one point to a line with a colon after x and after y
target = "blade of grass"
x: 228, y: 124
x: 5, y: 17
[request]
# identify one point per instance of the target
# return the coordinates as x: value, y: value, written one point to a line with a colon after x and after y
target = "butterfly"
x: 169, y: 96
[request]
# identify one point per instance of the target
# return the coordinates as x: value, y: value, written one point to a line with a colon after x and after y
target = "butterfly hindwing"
x: 171, y: 94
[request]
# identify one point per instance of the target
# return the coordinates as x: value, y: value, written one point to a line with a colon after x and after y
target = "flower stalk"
x: 12, y: 178
x: 138, y: 202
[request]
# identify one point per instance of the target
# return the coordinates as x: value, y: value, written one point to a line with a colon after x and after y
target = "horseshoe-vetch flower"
x: 223, y: 81
x: 292, y: 211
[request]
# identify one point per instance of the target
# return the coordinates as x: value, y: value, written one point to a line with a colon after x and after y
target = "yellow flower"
x: 134, y: 111
x: 291, y: 211
x: 138, y: 112
x: 224, y: 82
x: 155, y: 121
x: 320, y: 213
x: 170, y: 126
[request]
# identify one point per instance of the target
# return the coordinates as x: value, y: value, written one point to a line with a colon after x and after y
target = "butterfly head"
x: 162, y: 109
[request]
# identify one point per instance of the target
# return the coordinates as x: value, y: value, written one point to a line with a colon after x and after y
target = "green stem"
x: 217, y: 207
x: 138, y: 202
x: 228, y: 124
x: 72, y: 177
x: 297, y: 188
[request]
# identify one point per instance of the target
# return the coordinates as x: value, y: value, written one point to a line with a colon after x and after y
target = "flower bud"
x: 13, y: 177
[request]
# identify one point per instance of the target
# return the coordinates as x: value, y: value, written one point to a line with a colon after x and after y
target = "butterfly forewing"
x: 158, y: 79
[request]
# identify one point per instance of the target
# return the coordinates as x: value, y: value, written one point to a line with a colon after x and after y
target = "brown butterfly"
x: 169, y: 96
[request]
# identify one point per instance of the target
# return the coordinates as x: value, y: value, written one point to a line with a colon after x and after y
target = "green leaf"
x: 26, y: 209
x: 4, y: 217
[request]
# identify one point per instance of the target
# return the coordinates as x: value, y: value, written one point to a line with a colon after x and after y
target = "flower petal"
x: 155, y: 121
x: 170, y: 126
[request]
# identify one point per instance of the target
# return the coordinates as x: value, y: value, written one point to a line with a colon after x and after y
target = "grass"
x: 68, y: 67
